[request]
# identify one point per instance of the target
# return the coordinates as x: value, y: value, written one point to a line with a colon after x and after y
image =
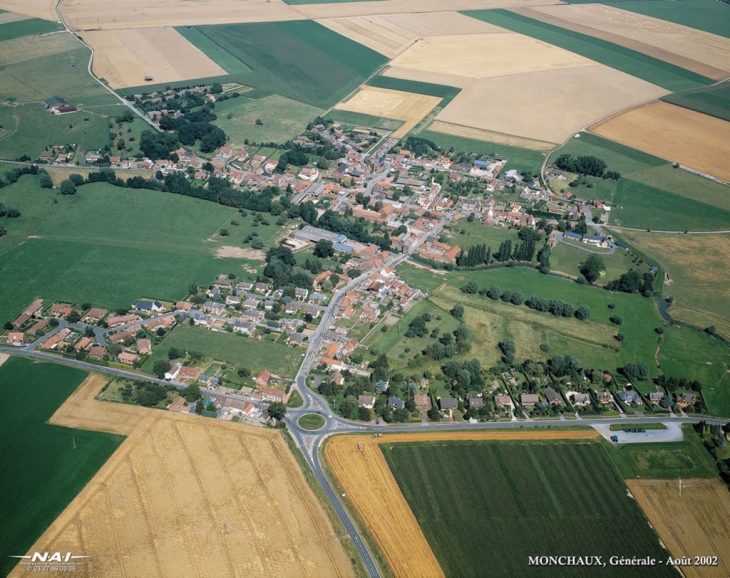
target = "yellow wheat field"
x: 364, y: 476
x: 489, y: 136
x: 43, y: 9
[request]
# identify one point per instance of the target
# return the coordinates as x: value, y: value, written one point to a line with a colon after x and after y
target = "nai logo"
x: 51, y: 557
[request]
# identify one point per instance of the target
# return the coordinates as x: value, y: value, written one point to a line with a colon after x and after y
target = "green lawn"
x: 301, y: 60
x: 476, y: 233
x: 519, y: 158
x: 283, y: 118
x: 567, y: 258
x: 494, y: 504
x: 693, y: 354
x: 42, y: 472
x: 640, y: 65
x: 231, y: 348
x: 109, y: 245
x: 707, y: 15
x: 311, y: 421
x: 713, y: 100
x: 32, y: 26
x: 686, y: 459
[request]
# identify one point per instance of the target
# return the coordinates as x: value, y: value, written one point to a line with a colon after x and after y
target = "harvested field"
x: 701, y: 52
x: 697, y: 524
x: 406, y: 106
x: 125, y: 57
x: 369, y: 484
x: 568, y: 99
x: 190, y: 496
x: 425, y: 76
x: 21, y: 50
x: 228, y: 251
x: 83, y: 411
x: 3, y: 358
x: 486, y: 55
x: 485, y: 135
x: 7, y: 17
x: 673, y: 133
x: 34, y: 8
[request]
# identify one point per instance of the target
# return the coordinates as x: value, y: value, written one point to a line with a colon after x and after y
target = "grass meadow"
x: 42, y: 472
x: 707, y: 15
x: 651, y: 194
x: 567, y: 258
x: 640, y: 65
x: 490, y: 505
x: 713, y: 100
x: 30, y: 27
x: 109, y: 245
x: 283, y: 118
x: 301, y: 60
x: 231, y: 348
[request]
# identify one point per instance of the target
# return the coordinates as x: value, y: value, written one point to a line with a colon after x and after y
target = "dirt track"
x: 366, y: 479
x: 695, y: 524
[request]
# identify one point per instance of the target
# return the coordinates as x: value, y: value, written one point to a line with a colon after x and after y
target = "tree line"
x: 586, y: 165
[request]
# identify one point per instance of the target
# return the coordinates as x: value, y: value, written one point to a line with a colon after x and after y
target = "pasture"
x: 283, y: 118
x: 44, y: 473
x: 108, y: 245
x: 713, y: 100
x: 691, y: 523
x: 231, y: 348
x: 29, y: 27
x: 654, y: 71
x: 181, y: 480
x: 493, y: 504
x: 566, y: 258
x: 301, y: 60
x: 676, y: 134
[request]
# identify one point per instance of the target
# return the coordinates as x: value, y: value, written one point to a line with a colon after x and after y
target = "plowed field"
x: 695, y: 523
x: 366, y: 479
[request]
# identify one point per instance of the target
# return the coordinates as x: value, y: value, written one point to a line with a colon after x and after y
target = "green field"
x: 519, y: 158
x: 486, y: 507
x: 32, y: 26
x: 713, y: 100
x: 447, y: 93
x: 476, y: 233
x: 686, y: 459
x: 109, y: 245
x: 220, y: 56
x: 42, y: 472
x: 231, y: 348
x: 283, y: 118
x: 707, y: 15
x: 650, y: 194
x: 693, y: 354
x: 640, y: 65
x: 567, y: 258
x: 301, y: 60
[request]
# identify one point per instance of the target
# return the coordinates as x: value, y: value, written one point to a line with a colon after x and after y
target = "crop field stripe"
x: 640, y: 65
x: 29, y: 27
x: 447, y: 93
x: 210, y: 48
x: 713, y: 100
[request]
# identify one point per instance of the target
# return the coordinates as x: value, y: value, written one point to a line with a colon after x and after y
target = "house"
x: 337, y: 378
x: 214, y: 307
x: 367, y: 401
x: 244, y: 286
x: 313, y: 311
x: 474, y: 401
x: 271, y: 394
x: 332, y: 363
x: 292, y: 308
x: 55, y: 340
x: 38, y: 327
x: 244, y: 327
x: 148, y: 306
x: 83, y: 344
x: 317, y: 298
x: 250, y: 410
x: 396, y: 403
x: 685, y: 399
x: 448, y: 403
x: 263, y: 378
x: 529, y: 399
x: 552, y: 396
x: 297, y: 339
x: 233, y: 300
x: 117, y: 320
x: 422, y: 402
x: 167, y: 321
x: 331, y: 350
x: 604, y: 397
x: 501, y: 400
x: 144, y: 346
x: 97, y: 352
x: 183, y: 306
x: 251, y: 303
x: 190, y: 373
x: 581, y: 399
x: 16, y: 338
x: 174, y: 371
x: 34, y: 308
x: 178, y: 405
x: 656, y: 397
x: 300, y: 293
x: 128, y: 358
x: 630, y: 397
x: 262, y: 288
x: 95, y: 314
x: 20, y: 321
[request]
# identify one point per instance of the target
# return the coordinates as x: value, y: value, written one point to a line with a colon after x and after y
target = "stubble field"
x: 125, y: 57
x: 673, y: 133
x: 468, y: 132
x: 35, y: 8
x: 366, y: 478
x: 406, y: 106
x: 191, y: 496
x: 697, y: 523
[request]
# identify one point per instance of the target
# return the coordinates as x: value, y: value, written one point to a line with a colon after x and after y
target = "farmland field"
x: 301, y: 60
x: 32, y: 26
x: 696, y: 522
x: 428, y: 88
x: 687, y: 137
x: 34, y: 8
x: 713, y: 100
x: 477, y: 134
x: 652, y: 70
x: 221, y: 57
x: 44, y: 473
x: 255, y: 355
x: 107, y: 245
x: 364, y: 476
x: 566, y: 258
x: 365, y: 120
x: 224, y: 487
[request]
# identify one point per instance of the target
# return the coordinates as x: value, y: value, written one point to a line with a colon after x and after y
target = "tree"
x: 73, y: 317
x: 67, y: 187
x: 160, y: 368
x: 507, y: 347
x: 458, y: 311
x: 243, y: 372
x: 277, y: 410
x: 583, y: 312
x: 364, y: 414
x: 470, y: 288
x: 257, y: 242
x: 592, y: 268
x: 76, y: 179
x: 175, y: 353
x: 44, y: 179
x: 216, y: 88
x: 324, y: 249
x: 636, y: 371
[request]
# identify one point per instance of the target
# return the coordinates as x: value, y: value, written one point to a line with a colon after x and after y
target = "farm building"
x: 314, y: 234
x: 55, y: 102
x: 263, y: 378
